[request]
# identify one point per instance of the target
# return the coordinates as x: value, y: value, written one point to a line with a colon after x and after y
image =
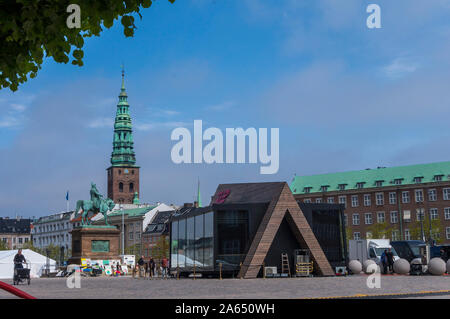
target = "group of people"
x: 150, y: 267
x: 387, y: 261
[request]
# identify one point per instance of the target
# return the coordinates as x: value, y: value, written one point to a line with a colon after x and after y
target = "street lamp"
x: 123, y: 230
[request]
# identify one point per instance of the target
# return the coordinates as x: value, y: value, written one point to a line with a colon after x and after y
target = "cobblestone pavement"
x: 127, y: 287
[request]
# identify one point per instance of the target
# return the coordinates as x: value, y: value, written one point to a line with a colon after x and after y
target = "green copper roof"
x: 135, y: 212
x: 370, y: 177
x: 123, y: 145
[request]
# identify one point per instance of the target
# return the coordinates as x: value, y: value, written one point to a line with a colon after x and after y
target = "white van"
x: 364, y: 249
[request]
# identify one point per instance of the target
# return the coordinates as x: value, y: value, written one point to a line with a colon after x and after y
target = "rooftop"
x: 371, y: 178
x: 15, y: 226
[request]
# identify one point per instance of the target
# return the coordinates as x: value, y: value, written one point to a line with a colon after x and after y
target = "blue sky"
x: 344, y: 97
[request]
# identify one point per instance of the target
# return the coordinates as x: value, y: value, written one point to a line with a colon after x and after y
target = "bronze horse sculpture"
x: 88, y: 206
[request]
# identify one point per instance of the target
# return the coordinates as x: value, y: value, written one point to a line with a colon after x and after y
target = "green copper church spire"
x: 199, y: 197
x: 123, y: 152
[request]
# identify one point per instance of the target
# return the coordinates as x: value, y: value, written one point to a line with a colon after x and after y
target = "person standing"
x: 390, y: 260
x: 152, y: 267
x: 383, y: 260
x: 141, y: 263
x: 164, y: 264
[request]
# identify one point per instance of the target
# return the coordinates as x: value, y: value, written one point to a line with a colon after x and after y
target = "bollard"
x: 220, y: 271
x: 194, y: 270
x: 264, y: 270
x: 240, y: 270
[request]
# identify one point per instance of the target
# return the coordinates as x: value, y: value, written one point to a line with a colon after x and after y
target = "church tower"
x: 123, y: 174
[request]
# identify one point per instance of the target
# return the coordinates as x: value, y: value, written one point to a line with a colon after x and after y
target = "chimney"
x: 196, y: 204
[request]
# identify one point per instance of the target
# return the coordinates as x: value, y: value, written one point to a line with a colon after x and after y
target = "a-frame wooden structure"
x: 283, y: 204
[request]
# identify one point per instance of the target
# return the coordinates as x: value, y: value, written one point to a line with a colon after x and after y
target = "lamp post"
x: 123, y: 230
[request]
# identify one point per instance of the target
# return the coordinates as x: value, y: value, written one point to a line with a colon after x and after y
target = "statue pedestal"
x: 94, y: 242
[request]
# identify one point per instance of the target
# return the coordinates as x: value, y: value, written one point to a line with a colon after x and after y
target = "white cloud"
x: 221, y: 106
x: 159, y: 125
x: 18, y: 107
x: 101, y: 122
x: 400, y: 67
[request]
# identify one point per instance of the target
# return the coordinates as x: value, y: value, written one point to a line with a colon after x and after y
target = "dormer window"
x: 307, y: 190
x: 379, y: 183
x: 324, y: 188
x: 418, y: 179
x: 341, y: 187
x: 398, y: 181
x: 438, y: 178
x: 360, y: 185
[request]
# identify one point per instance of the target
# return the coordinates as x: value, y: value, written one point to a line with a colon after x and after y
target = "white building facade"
x: 53, y: 230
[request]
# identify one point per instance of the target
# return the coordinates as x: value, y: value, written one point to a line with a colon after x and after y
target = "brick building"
x: 410, y: 202
x: 15, y: 232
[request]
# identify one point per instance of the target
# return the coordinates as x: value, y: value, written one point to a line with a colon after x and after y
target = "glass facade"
x: 182, y: 243
x: 193, y: 241
x: 174, y: 248
x: 232, y: 229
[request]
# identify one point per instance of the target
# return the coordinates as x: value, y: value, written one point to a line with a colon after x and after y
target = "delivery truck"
x: 364, y: 249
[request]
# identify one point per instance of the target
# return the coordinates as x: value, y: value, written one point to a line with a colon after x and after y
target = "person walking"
x: 390, y: 260
x: 18, y: 260
x: 383, y: 262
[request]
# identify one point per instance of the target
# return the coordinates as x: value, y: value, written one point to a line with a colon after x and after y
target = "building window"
x: 131, y: 188
x: 407, y: 234
x: 341, y: 187
x: 360, y: 185
x: 394, y: 217
x: 318, y: 200
x: 447, y: 213
x: 355, y: 219
x: 447, y: 232
x: 355, y: 202
x: 446, y: 192
x: 392, y: 198
x: 324, y: 188
x: 356, y: 235
x: 432, y: 195
x: 381, y: 218
x: 120, y: 172
x: 330, y: 200
x: 307, y: 200
x: 367, y: 200
x: 407, y: 216
x: 395, y: 235
x: 369, y: 235
x: 438, y: 178
x: 419, y: 195
x: 379, y: 183
x: 434, y: 213
x: 405, y: 197
x: 343, y: 200
x: 398, y: 181
x: 368, y: 218
x: 418, y: 180
x: 345, y: 220
x: 379, y: 199
x: 130, y: 235
x: 420, y: 215
x: 307, y: 190
x: 121, y: 187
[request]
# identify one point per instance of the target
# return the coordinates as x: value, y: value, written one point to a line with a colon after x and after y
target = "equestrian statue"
x: 97, y: 204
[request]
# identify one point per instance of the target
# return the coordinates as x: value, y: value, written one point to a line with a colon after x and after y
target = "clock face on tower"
x: 126, y: 171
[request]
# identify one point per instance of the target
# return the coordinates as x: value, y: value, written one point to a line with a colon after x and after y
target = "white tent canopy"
x: 35, y: 260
